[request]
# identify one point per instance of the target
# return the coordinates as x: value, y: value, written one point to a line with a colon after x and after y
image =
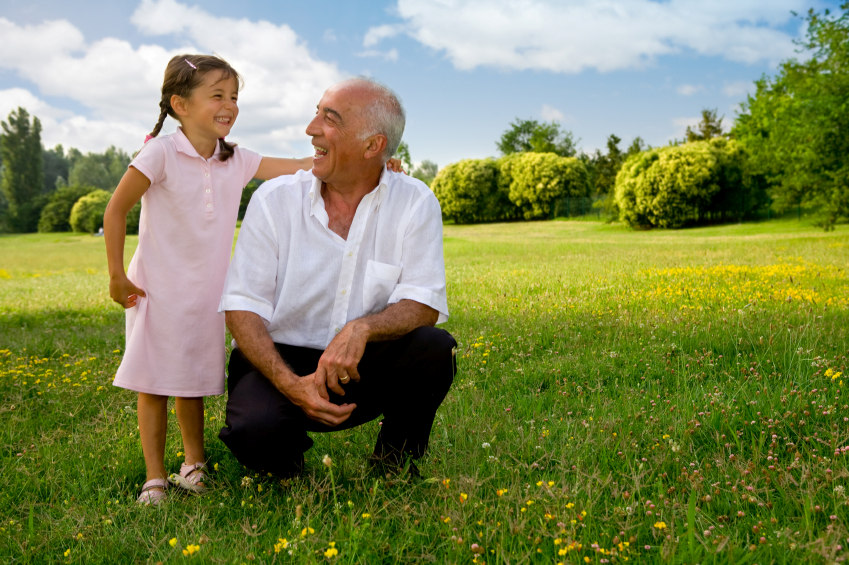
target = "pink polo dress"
x: 175, y: 335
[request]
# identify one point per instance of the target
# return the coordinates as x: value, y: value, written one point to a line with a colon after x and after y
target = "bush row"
x: 519, y: 185
x: 80, y: 209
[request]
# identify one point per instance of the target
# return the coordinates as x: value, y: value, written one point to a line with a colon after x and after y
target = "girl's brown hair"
x: 183, y: 74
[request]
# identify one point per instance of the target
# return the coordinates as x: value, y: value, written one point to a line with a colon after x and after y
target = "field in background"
x: 642, y: 396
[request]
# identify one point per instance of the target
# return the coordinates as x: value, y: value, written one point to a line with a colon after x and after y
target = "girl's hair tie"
x: 147, y: 138
x: 189, y: 63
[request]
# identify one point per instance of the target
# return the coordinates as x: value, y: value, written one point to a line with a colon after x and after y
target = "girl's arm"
x: 129, y: 191
x: 271, y: 167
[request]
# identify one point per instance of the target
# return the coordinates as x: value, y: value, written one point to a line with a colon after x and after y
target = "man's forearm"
x: 257, y: 346
x: 397, y: 320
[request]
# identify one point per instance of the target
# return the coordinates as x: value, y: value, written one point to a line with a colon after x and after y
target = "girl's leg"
x: 190, y: 416
x: 153, y: 418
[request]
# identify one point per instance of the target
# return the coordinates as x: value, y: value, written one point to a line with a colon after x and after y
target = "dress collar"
x: 185, y: 146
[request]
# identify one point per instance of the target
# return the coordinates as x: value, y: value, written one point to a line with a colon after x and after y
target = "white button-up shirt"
x: 306, y: 282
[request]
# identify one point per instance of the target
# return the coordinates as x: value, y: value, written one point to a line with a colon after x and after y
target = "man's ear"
x: 178, y: 104
x: 375, y: 145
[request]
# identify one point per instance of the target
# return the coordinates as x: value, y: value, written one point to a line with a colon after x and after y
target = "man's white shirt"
x: 306, y: 282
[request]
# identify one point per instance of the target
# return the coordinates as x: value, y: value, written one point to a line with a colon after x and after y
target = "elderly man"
x: 335, y: 287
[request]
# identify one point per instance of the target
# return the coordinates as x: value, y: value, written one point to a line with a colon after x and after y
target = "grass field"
x: 661, y: 396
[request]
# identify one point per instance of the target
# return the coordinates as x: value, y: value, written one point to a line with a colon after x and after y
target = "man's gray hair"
x: 385, y: 116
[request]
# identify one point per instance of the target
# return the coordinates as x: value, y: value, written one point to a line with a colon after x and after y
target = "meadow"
x: 657, y: 396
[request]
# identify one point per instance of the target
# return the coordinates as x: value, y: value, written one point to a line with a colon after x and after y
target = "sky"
x: 91, y: 70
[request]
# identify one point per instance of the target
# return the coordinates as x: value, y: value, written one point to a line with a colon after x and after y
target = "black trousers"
x: 405, y: 380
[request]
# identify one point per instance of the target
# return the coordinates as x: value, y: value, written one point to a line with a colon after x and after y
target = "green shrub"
x: 671, y: 187
x: 469, y: 192
x: 87, y: 212
x: 537, y: 180
x: 56, y: 214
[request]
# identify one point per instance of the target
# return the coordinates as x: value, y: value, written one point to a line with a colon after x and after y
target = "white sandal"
x: 191, y: 477
x: 153, y: 492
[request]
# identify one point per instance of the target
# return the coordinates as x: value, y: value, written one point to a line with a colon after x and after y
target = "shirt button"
x: 209, y: 205
x: 208, y: 191
x: 344, y: 292
x: 337, y: 330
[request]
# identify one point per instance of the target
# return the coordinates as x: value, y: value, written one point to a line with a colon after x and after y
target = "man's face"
x: 336, y: 132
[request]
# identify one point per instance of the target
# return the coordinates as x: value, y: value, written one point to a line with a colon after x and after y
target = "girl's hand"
x: 395, y: 165
x: 125, y: 292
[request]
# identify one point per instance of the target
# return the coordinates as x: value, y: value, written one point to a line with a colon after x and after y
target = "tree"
x: 403, y: 155
x: 101, y: 170
x: 709, y: 127
x: 533, y: 136
x: 796, y: 125
x: 605, y: 166
x: 55, y: 167
x: 23, y: 177
x: 426, y: 172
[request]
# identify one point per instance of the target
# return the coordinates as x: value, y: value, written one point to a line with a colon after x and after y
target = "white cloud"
x: 689, y: 89
x: 119, y: 83
x: 391, y: 55
x: 377, y: 34
x: 551, y: 114
x: 569, y: 37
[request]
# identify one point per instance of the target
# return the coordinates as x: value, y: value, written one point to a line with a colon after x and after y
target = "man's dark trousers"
x: 405, y: 380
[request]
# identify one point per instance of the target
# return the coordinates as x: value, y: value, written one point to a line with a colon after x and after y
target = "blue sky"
x: 465, y: 69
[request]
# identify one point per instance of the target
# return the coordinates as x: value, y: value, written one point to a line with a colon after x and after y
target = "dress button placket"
x: 208, y: 202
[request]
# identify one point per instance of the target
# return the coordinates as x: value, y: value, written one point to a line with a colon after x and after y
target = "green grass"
x: 660, y: 396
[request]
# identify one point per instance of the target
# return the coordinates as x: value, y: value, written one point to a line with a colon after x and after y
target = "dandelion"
x: 366, y: 515
x: 307, y: 531
x: 660, y: 525
x: 68, y: 552
x: 331, y: 551
x: 172, y: 542
x: 282, y: 543
x: 191, y: 549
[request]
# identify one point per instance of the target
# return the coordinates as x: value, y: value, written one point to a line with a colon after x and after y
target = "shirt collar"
x: 379, y: 191
x: 185, y: 146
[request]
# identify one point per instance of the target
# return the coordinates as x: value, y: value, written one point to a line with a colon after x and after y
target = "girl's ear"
x: 178, y: 104
x: 375, y: 146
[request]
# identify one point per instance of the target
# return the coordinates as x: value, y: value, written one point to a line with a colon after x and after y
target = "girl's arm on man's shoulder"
x: 271, y: 167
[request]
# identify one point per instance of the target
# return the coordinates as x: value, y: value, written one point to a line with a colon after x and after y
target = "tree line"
x: 788, y: 148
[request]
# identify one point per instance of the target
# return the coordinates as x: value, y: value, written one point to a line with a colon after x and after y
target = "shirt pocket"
x: 379, y: 282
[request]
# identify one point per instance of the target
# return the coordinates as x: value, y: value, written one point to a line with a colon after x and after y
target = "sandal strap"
x: 194, y: 473
x: 154, y: 483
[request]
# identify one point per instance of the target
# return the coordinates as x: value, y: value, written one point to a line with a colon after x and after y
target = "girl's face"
x: 212, y: 108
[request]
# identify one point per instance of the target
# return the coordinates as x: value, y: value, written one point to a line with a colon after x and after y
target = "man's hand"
x: 256, y: 345
x: 304, y: 394
x: 338, y: 364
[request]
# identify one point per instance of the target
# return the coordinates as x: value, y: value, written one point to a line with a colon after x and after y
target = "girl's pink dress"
x: 175, y: 335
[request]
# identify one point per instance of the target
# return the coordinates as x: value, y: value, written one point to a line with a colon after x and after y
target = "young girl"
x: 190, y: 184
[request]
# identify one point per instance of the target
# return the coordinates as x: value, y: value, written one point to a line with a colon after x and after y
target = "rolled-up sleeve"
x: 252, y: 277
x: 422, y: 263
